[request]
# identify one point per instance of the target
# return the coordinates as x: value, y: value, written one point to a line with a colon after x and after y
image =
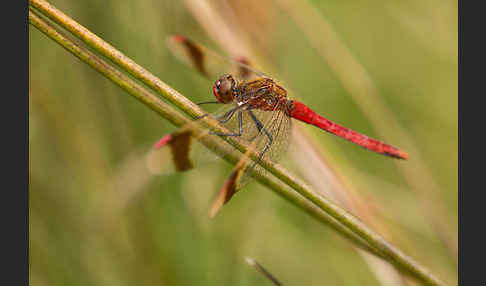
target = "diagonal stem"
x: 157, y: 105
x: 348, y: 224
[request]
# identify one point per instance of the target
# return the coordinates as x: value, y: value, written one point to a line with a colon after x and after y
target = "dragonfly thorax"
x: 263, y: 93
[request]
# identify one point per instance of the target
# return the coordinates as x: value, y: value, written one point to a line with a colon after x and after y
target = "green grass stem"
x: 280, y: 179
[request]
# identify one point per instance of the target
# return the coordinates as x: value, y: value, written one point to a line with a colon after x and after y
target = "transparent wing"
x: 208, y: 63
x: 270, y: 141
x: 265, y: 132
x: 181, y: 150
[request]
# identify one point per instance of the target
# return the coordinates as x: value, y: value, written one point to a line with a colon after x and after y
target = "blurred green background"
x: 97, y: 217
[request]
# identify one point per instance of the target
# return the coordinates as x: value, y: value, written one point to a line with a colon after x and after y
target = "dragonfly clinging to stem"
x: 257, y: 109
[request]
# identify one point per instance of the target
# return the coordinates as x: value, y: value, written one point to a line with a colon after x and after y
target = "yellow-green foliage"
x: 97, y: 218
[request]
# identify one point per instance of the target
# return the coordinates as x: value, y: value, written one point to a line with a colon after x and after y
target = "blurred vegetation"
x: 97, y: 217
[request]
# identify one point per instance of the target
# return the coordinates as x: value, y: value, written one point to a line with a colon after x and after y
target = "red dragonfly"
x: 257, y: 110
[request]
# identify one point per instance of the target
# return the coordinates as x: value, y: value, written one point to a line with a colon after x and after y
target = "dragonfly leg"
x: 208, y: 102
x: 260, y: 127
x: 240, y: 125
x: 227, y: 116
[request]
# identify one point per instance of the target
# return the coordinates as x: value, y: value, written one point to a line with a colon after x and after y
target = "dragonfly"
x: 256, y: 109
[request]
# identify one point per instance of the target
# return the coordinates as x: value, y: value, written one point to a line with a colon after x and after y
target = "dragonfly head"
x: 224, y: 88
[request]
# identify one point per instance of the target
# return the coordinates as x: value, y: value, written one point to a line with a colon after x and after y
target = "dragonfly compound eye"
x: 223, y: 89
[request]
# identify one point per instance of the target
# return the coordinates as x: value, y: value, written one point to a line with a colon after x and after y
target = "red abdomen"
x: 303, y: 113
